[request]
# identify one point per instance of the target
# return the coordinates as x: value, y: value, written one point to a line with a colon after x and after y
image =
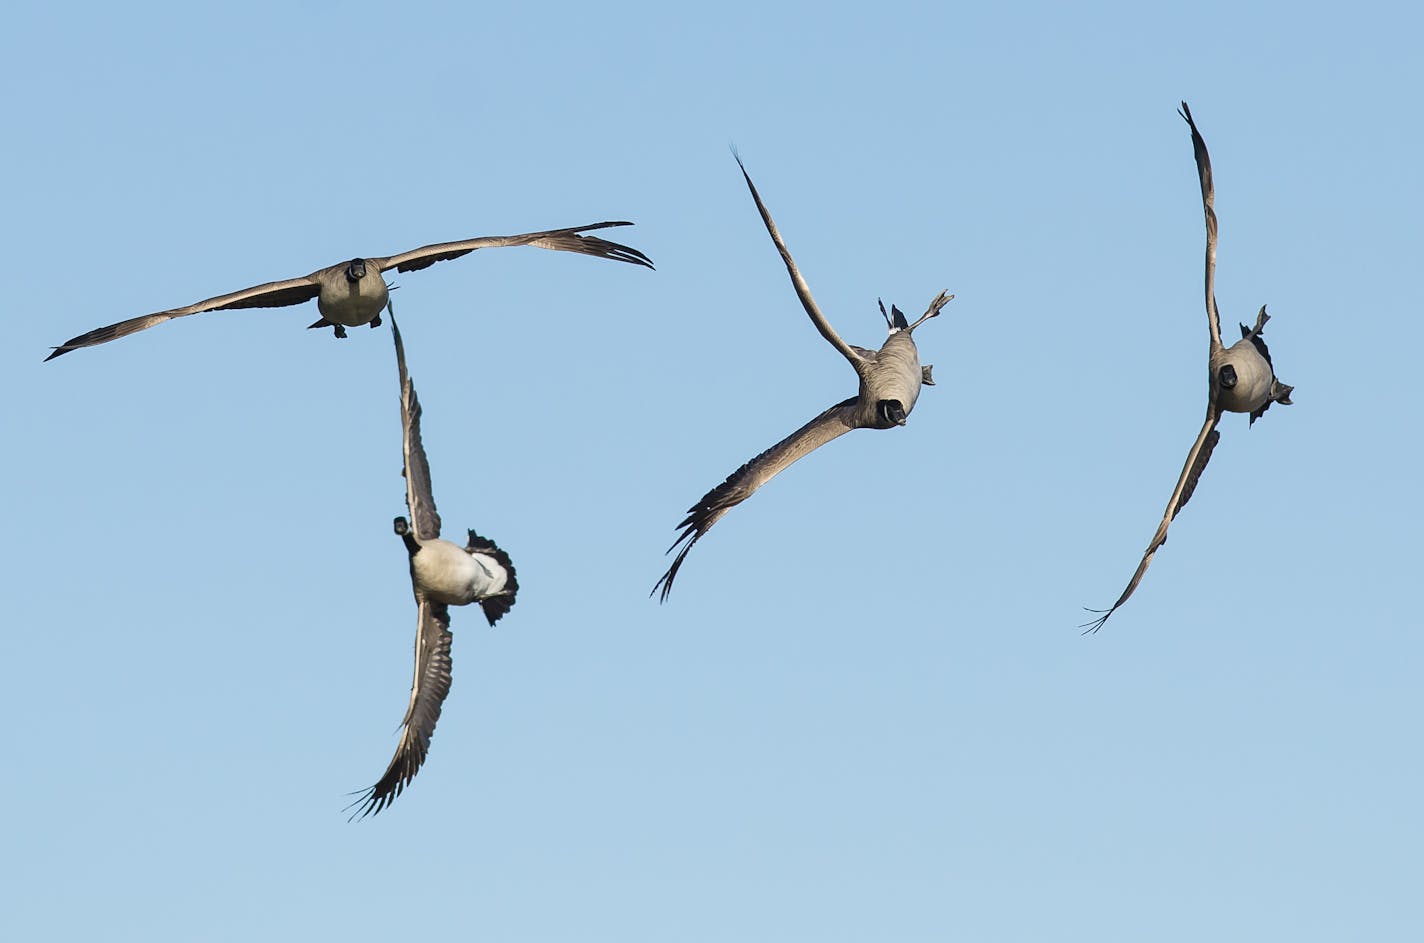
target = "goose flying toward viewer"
x: 349, y: 294
x: 443, y: 574
x: 890, y: 380
x: 1241, y: 379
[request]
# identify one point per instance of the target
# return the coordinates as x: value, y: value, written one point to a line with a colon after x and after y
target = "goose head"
x: 1226, y: 376
x: 407, y: 536
x: 355, y: 270
x: 891, y: 411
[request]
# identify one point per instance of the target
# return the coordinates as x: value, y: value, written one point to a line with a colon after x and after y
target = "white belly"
x: 444, y: 572
x: 1253, y: 378
x: 353, y: 303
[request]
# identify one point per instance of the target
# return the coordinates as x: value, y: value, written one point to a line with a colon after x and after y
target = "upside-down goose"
x: 349, y: 294
x: 442, y: 574
x: 1241, y: 379
x: 890, y: 380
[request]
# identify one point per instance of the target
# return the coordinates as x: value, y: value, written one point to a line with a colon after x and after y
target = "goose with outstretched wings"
x: 890, y: 380
x: 1242, y: 380
x: 442, y: 574
x: 349, y: 294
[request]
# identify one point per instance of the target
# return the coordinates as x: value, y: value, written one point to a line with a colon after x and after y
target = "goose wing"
x: 803, y: 291
x: 743, y: 483
x: 427, y: 694
x: 563, y: 240
x: 418, y: 496
x: 1208, y: 191
x: 291, y: 291
x: 1197, y: 458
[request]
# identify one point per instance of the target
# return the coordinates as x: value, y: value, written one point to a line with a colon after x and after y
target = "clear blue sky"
x: 866, y: 712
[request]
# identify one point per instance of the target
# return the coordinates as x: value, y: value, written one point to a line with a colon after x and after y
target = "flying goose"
x: 890, y: 380
x: 349, y: 294
x: 442, y: 574
x: 1241, y: 379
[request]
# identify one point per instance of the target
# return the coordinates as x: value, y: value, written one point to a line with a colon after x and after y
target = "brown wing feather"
x: 563, y: 240
x: 1208, y: 191
x: 427, y: 694
x: 291, y: 291
x: 803, y: 290
x: 1197, y: 458
x: 744, y: 482
x: 419, y: 497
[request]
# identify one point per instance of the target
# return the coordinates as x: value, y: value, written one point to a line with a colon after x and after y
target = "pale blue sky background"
x: 866, y: 713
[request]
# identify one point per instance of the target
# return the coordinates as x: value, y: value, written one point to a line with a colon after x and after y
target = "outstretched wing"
x: 291, y: 291
x: 1197, y: 458
x: 418, y: 496
x: 1208, y: 191
x: 427, y: 694
x: 744, y: 482
x: 563, y: 240
x: 803, y: 291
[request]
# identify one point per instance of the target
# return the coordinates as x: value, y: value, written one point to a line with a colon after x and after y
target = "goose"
x: 442, y: 574
x: 1241, y: 379
x: 890, y: 381
x: 349, y: 294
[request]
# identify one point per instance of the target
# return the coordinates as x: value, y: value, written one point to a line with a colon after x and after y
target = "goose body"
x: 889, y: 386
x: 1252, y: 385
x: 1241, y: 379
x: 445, y: 572
x: 442, y: 574
x: 353, y: 293
x: 894, y: 374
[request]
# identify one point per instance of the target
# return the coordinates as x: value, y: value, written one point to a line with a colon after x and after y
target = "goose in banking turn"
x: 349, y: 294
x: 890, y: 380
x: 1241, y: 379
x: 443, y: 574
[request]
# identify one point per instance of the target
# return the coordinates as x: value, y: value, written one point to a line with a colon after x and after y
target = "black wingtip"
x: 663, y: 587
x: 56, y: 352
x: 606, y: 248
x: 746, y: 176
x: 370, y: 802
x: 1091, y: 628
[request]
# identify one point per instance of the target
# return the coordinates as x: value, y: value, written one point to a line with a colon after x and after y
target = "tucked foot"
x: 1261, y: 319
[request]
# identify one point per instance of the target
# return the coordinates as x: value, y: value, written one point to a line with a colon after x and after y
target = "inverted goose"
x: 890, y: 380
x: 1241, y: 378
x: 443, y: 574
x: 349, y: 294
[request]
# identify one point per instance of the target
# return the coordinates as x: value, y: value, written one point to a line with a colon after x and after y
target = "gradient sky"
x: 867, y: 712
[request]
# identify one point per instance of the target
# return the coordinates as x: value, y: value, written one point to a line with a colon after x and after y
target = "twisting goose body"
x: 442, y: 574
x: 890, y: 381
x: 456, y: 576
x: 353, y: 293
x: 1241, y: 379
